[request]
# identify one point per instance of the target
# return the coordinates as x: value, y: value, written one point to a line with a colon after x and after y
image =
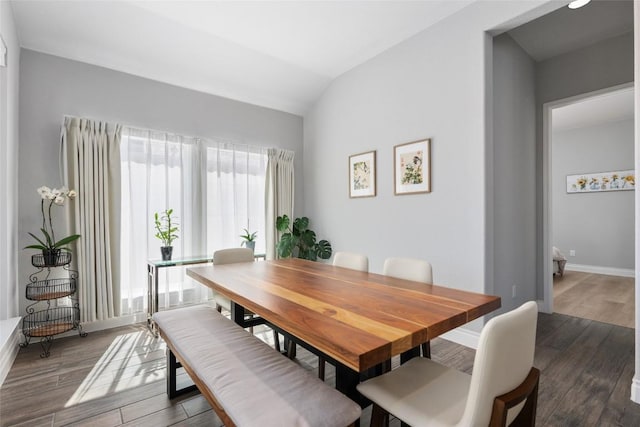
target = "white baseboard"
x: 9, y: 340
x: 115, y: 322
x: 635, y: 389
x: 543, y: 307
x: 463, y: 337
x: 611, y: 271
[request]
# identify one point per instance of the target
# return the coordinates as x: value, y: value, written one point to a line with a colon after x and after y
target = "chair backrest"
x: 351, y: 260
x: 232, y: 255
x: 503, y: 360
x: 408, y: 269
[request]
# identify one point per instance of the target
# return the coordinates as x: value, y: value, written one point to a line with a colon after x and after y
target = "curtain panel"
x: 91, y: 164
x: 278, y: 195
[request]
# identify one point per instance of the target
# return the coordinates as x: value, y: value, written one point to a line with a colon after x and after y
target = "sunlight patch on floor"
x: 125, y: 364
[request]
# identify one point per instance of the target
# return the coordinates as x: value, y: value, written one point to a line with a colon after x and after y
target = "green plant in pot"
x: 299, y: 241
x: 166, y: 231
x: 249, y: 239
x: 50, y: 247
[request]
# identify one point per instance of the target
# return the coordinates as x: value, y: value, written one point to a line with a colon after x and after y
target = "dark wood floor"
x: 116, y: 377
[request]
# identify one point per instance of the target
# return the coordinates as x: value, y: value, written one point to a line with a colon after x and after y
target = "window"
x: 215, y: 189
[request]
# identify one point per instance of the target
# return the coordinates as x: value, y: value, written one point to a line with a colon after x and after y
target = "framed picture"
x: 362, y: 175
x: 603, y: 181
x: 412, y: 167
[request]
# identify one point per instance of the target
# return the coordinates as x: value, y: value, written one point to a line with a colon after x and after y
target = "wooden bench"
x: 246, y: 381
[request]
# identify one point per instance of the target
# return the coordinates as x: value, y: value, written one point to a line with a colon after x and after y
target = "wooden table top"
x: 360, y: 319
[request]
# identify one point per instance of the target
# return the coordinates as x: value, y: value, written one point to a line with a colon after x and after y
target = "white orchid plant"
x: 50, y: 197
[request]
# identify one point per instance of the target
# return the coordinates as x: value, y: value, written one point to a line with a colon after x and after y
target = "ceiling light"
x: 575, y: 4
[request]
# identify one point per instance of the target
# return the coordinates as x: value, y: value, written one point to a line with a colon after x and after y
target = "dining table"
x: 355, y: 320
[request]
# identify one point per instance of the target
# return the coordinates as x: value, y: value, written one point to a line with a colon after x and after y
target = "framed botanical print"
x: 362, y: 175
x: 412, y: 167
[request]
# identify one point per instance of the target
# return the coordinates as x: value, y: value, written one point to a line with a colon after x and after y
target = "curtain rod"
x: 214, y: 138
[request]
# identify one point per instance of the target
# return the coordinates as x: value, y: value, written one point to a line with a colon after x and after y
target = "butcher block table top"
x: 359, y: 319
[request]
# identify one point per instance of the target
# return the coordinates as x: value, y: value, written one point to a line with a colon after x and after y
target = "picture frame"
x: 362, y: 175
x: 599, y: 182
x: 412, y: 167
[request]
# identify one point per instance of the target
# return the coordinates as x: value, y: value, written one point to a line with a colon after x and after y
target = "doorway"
x: 588, y: 147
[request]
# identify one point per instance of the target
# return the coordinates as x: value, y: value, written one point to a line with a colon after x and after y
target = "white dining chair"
x: 410, y: 269
x: 502, y: 387
x: 231, y: 256
x: 351, y: 260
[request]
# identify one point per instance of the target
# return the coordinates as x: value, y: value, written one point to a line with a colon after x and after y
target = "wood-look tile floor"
x: 608, y: 299
x: 116, y: 378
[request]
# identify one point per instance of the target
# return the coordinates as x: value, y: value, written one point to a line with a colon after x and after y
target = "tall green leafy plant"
x: 166, y: 229
x: 299, y: 241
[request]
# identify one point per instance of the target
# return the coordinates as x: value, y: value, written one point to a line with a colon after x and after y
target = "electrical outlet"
x: 513, y: 291
x: 572, y: 252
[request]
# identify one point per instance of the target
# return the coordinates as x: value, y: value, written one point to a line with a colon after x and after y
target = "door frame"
x: 547, y: 223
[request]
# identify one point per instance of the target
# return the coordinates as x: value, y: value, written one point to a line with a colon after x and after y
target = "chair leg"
x: 426, y: 350
x: 276, y: 341
x: 321, y: 364
x: 527, y: 390
x: 379, y: 417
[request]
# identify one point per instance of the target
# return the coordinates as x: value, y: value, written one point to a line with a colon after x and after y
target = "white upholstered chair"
x: 351, y: 260
x: 410, y: 269
x: 502, y: 389
x: 229, y: 256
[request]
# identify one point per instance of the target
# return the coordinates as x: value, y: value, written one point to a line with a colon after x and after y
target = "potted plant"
x: 299, y: 241
x: 249, y: 239
x: 166, y: 230
x: 50, y: 247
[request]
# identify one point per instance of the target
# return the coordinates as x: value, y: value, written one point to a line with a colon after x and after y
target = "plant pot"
x: 166, y: 252
x: 50, y: 257
x: 250, y: 245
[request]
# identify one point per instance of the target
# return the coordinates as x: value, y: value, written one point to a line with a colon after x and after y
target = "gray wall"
x: 514, y: 175
x: 51, y: 87
x: 430, y: 86
x: 9, y: 248
x: 598, y: 226
x: 602, y: 65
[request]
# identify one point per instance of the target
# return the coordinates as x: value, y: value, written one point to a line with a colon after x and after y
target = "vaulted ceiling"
x: 277, y: 54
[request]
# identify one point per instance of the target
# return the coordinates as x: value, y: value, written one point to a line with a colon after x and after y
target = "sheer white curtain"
x: 211, y: 187
x: 235, y: 188
x: 92, y: 168
x: 279, y: 194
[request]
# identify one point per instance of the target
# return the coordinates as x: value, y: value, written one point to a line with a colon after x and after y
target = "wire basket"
x: 54, y: 259
x: 52, y: 321
x: 51, y: 289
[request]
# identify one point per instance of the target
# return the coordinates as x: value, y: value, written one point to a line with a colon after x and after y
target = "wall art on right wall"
x: 603, y: 181
x: 412, y: 167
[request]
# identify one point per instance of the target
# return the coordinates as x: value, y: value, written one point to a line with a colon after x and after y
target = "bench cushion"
x: 254, y: 384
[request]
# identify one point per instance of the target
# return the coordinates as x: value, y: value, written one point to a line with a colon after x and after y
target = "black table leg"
x: 409, y: 354
x: 346, y: 381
